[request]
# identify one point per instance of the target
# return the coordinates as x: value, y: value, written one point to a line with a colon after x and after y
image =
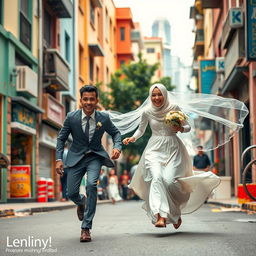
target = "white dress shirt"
x: 92, y: 123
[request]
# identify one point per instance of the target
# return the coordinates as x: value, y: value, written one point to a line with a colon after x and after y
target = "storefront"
x: 53, y: 118
x: 23, y: 149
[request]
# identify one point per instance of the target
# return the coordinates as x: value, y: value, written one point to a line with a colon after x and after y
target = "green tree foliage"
x: 128, y: 89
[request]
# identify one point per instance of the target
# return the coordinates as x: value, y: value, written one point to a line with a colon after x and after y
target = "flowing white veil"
x: 214, y: 119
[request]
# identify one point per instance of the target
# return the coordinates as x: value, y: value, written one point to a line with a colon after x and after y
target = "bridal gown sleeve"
x: 142, y: 127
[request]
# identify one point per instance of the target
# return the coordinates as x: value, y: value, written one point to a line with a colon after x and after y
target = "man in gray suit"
x: 86, y: 154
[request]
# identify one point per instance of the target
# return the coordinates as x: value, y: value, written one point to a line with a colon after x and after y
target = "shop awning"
x: 236, y: 78
x: 21, y: 100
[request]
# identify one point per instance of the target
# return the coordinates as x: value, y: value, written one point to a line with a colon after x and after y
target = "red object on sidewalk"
x: 50, y: 189
x: 242, y: 196
x: 42, y: 190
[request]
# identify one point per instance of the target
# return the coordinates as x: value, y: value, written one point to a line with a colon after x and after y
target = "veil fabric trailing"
x: 213, y: 119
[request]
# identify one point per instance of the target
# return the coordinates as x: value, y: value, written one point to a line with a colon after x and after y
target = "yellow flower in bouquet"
x: 175, y: 118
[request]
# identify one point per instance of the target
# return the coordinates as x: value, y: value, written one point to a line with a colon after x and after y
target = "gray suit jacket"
x: 73, y: 125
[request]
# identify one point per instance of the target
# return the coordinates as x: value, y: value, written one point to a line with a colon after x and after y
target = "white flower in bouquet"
x: 175, y: 118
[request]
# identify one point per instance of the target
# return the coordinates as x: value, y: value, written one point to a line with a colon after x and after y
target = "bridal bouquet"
x: 175, y: 118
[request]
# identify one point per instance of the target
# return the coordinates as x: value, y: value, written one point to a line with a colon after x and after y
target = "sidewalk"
x: 15, y: 209
x: 233, y: 203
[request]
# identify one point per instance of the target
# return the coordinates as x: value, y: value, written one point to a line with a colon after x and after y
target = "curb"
x: 245, y: 206
x: 225, y: 204
x: 30, y: 211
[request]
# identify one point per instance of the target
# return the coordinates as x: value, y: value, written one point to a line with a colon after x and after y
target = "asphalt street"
x: 124, y: 229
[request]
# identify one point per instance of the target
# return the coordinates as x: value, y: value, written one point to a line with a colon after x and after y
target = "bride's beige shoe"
x: 161, y: 222
x: 176, y: 226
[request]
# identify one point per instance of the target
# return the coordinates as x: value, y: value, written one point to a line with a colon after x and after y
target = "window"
x: 47, y: 29
x: 99, y: 27
x: 92, y: 13
x: 91, y: 68
x: 122, y: 33
x: 25, y: 22
x: 110, y: 32
x: 67, y: 106
x: 97, y: 74
x: 150, y: 50
x: 67, y: 47
x: 107, y: 75
x: 122, y: 62
x: 106, y: 25
x: 81, y: 54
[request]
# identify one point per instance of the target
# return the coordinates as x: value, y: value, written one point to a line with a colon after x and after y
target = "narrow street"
x: 124, y: 229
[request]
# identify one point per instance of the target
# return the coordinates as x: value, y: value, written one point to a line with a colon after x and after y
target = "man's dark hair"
x: 89, y: 88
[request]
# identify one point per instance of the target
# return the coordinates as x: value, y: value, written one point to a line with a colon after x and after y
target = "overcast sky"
x: 176, y: 11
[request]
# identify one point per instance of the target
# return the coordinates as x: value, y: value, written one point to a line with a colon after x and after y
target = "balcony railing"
x: 62, y: 8
x: 56, y: 71
x: 199, y: 43
x: 211, y: 4
x: 200, y: 36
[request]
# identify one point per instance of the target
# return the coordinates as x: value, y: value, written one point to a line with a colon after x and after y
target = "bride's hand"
x: 178, y: 128
x: 128, y: 140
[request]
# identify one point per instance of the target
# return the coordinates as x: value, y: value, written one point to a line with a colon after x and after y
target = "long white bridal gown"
x: 164, y: 178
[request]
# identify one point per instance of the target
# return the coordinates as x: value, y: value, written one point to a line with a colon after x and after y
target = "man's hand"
x: 59, y: 167
x: 115, y: 154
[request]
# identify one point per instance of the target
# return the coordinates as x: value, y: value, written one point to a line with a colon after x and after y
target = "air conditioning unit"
x: 220, y: 64
x: 27, y: 81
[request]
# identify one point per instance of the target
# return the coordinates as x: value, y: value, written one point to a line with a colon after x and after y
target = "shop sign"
x: 48, y: 136
x: 23, y: 119
x: 20, y: 181
x: 251, y: 30
x: 207, y: 71
x: 54, y: 110
x: 236, y: 18
x: 4, y: 161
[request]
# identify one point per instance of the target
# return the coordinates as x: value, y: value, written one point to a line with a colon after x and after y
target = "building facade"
x: 224, y: 44
x: 153, y: 53
x: 19, y: 94
x: 124, y: 27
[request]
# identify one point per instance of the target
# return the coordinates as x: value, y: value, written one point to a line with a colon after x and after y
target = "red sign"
x: 20, y: 181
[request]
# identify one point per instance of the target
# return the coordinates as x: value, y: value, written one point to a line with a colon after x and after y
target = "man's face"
x: 89, y: 102
x: 200, y: 151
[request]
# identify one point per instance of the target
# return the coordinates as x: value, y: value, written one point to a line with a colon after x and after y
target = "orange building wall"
x: 124, y: 48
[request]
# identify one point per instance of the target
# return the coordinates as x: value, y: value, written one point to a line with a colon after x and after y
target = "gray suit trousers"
x: 90, y: 164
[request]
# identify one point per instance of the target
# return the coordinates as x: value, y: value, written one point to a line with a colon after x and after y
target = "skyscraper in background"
x: 162, y: 28
x: 173, y: 67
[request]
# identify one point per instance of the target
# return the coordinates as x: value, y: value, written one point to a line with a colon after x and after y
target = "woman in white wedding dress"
x: 164, y: 178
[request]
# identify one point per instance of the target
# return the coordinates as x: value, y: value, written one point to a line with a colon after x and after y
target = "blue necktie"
x: 87, y: 127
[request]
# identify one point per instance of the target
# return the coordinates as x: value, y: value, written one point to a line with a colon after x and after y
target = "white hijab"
x: 158, y: 113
